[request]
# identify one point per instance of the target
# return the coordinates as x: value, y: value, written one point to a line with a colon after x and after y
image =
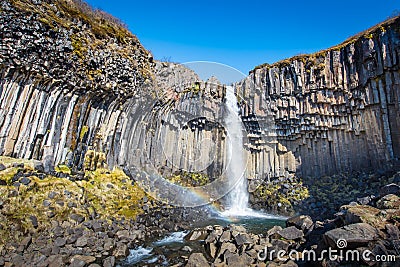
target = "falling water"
x: 238, y: 197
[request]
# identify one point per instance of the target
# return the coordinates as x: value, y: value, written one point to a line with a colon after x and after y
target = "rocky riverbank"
x: 367, y: 227
x: 66, y: 218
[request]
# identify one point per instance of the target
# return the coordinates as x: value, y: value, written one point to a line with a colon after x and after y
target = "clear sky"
x: 244, y: 34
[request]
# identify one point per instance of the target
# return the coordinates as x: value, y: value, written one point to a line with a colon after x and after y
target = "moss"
x: 108, y: 193
x: 275, y: 197
x: 194, y: 88
x: 84, y: 130
x: 102, y: 24
x: 7, y: 175
x: 189, y: 179
x: 63, y: 168
x: 79, y: 45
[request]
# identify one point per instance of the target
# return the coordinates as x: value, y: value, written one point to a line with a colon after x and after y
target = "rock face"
x: 333, y: 111
x: 72, y: 95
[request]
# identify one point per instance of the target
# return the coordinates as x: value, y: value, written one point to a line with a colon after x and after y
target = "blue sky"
x: 244, y: 34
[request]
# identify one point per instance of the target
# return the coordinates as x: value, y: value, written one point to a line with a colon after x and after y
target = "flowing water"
x: 238, y: 197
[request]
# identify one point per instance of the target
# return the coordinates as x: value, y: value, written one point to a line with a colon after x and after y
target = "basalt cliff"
x: 79, y: 90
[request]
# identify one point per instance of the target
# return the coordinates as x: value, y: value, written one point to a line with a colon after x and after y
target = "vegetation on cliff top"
x: 65, y: 12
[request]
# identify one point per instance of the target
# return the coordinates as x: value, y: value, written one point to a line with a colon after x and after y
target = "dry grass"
x: 65, y: 13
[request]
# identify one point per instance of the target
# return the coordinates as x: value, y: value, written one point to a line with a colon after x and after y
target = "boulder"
x: 196, y: 234
x: 243, y: 238
x: 81, y: 241
x: 81, y: 260
x: 197, y: 260
x: 121, y: 251
x: 2, y: 167
x: 226, y: 236
x: 60, y: 242
x: 390, y: 189
x: 211, y: 249
x: 362, y: 214
x: 77, y: 217
x: 302, y: 222
x: 109, y: 262
x: 290, y: 233
x: 273, y: 232
x: 354, y: 235
x: 389, y: 201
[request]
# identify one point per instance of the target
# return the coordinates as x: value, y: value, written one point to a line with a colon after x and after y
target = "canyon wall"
x: 329, y: 112
x: 82, y: 91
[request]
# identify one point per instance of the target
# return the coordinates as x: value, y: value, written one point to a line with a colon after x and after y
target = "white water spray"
x: 238, y: 198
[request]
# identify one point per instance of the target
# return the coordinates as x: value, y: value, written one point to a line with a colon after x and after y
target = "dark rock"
x: 34, y: 221
x: 46, y: 251
x: 2, y: 167
x: 197, y: 260
x: 18, y: 165
x: 71, y: 205
x: 12, y: 193
x: 226, y: 236
x: 17, y: 260
x: 291, y: 233
x: 390, y: 189
x: 26, y: 241
x: 77, y: 217
x: 365, y: 200
x: 3, y: 183
x: 234, y: 260
x: 81, y: 241
x: 211, y: 249
x: 52, y: 195
x: 60, y: 242
x: 355, y: 235
x: 46, y: 203
x: 361, y: 213
x: 389, y: 201
x: 97, y: 227
x: 72, y: 239
x: 38, y: 166
x: 392, y: 231
x: 273, y: 232
x: 81, y: 260
x: 25, y: 181
x: 55, y: 261
x: 55, y: 250
x: 121, y: 251
x: 243, y: 239
x: 197, y: 234
x: 109, y: 262
x: 302, y: 222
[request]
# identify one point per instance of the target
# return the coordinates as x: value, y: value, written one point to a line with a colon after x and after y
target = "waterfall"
x: 238, y: 197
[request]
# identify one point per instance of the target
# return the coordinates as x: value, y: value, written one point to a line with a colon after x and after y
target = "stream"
x: 173, y: 248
